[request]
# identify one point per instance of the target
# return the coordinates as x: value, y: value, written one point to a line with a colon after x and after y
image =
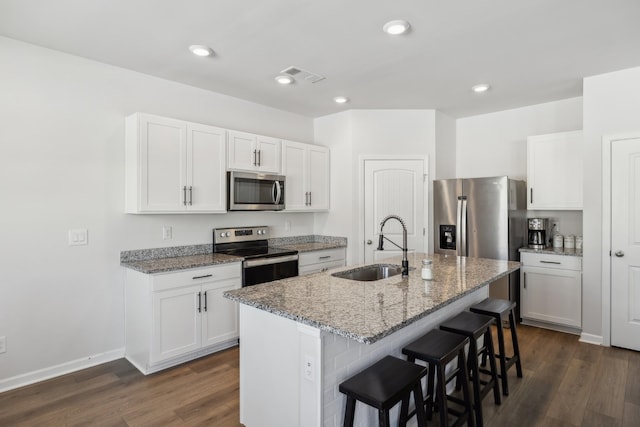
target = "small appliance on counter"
x: 538, y: 232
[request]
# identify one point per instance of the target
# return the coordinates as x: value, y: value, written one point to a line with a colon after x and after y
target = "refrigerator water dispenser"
x: 447, y: 236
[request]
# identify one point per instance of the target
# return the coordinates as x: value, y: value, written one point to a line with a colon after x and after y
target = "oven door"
x: 262, y: 270
x: 254, y: 192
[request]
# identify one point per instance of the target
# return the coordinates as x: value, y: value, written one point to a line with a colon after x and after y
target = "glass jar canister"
x: 427, y: 273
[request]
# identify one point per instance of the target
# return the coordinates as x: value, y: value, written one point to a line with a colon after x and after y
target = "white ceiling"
x: 530, y: 51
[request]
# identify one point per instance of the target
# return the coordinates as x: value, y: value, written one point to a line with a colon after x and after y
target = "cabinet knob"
x: 369, y: 242
x: 619, y: 254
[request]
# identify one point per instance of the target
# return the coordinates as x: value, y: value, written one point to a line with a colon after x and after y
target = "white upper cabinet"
x: 306, y: 169
x: 173, y: 166
x: 254, y: 153
x: 554, y: 171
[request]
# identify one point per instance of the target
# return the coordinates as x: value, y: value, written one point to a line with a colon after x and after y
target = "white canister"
x: 569, y: 241
x: 558, y: 240
x: 579, y: 242
x: 427, y: 274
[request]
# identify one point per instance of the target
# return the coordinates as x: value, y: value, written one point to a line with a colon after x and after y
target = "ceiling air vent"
x: 302, y: 75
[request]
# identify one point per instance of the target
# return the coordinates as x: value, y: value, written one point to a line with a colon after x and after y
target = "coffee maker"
x: 538, y: 232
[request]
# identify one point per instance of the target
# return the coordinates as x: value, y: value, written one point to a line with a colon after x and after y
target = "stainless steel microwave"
x: 248, y: 191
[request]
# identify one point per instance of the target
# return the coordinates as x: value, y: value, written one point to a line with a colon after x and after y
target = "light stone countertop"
x: 553, y: 251
x: 163, y: 265
x: 310, y: 247
x: 369, y: 311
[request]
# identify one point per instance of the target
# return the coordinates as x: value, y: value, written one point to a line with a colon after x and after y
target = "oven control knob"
x: 222, y: 234
x: 259, y: 232
x: 227, y: 234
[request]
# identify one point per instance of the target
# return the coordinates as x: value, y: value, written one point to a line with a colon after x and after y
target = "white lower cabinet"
x: 319, y: 261
x: 174, y: 317
x: 551, y: 291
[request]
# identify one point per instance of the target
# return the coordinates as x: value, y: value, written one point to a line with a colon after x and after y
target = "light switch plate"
x: 78, y: 237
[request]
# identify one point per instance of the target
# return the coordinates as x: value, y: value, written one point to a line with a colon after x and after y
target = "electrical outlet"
x: 3, y: 344
x: 167, y: 232
x: 309, y: 366
x: 287, y: 226
x: 78, y: 237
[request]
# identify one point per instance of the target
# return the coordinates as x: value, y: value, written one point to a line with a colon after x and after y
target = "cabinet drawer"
x: 315, y: 257
x: 318, y: 268
x: 194, y: 276
x: 563, y: 262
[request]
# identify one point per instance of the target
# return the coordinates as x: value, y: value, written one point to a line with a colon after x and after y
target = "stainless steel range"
x: 261, y: 263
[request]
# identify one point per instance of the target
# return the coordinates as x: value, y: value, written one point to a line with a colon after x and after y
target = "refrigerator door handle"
x: 458, y: 224
x: 463, y: 227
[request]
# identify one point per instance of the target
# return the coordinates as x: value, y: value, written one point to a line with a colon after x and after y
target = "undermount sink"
x: 370, y: 273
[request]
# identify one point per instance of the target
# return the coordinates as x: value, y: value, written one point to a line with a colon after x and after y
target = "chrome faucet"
x: 405, y: 261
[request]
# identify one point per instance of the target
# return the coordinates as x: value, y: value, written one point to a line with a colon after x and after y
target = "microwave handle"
x: 277, y: 194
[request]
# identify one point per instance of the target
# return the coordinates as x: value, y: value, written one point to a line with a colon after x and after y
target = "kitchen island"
x: 301, y: 337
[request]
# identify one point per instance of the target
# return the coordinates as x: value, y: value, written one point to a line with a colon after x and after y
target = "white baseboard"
x: 62, y: 369
x: 591, y: 339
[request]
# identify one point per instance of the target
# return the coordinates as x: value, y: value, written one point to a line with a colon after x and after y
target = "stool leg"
x: 383, y: 417
x: 514, y: 339
x: 465, y: 389
x: 419, y: 400
x: 404, y: 410
x: 430, y: 391
x: 349, y: 412
x: 502, y: 357
x: 441, y: 397
x: 492, y: 365
x: 475, y: 380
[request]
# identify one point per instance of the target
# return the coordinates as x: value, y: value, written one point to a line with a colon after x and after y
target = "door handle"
x: 184, y: 195
x: 190, y: 195
x: 205, y: 300
x: 369, y: 242
x: 619, y: 254
x: 199, y: 302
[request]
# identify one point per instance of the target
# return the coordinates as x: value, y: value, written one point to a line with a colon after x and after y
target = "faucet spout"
x: 405, y: 260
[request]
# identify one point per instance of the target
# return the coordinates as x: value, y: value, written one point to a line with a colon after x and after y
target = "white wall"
x: 446, y: 146
x: 611, y: 106
x: 496, y: 144
x: 366, y: 132
x: 62, y: 167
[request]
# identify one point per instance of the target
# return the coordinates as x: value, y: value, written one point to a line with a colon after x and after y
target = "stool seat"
x: 382, y: 385
x: 499, y: 308
x: 435, y: 346
x: 474, y: 326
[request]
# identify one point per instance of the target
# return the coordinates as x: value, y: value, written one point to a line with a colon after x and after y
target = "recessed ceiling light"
x: 341, y: 99
x: 200, y: 50
x: 481, y: 88
x: 284, y: 80
x: 396, y: 27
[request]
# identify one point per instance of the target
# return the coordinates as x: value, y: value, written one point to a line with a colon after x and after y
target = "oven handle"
x: 265, y: 261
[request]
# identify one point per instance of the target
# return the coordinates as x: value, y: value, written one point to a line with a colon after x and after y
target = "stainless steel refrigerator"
x: 482, y: 218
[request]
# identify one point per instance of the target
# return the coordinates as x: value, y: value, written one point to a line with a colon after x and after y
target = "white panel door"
x: 394, y: 187
x: 294, y: 157
x: 319, y: 177
x: 625, y: 244
x: 206, y: 180
x: 221, y: 315
x: 177, y: 324
x: 163, y: 174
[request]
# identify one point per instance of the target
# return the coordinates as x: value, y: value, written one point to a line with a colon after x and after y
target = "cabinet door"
x: 319, y: 180
x: 242, y: 153
x: 554, y: 171
x: 162, y: 162
x: 552, y: 295
x: 206, y: 180
x: 294, y: 158
x: 177, y: 324
x: 220, y: 321
x: 269, y: 155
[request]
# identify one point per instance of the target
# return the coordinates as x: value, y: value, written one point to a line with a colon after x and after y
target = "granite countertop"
x: 163, y: 265
x: 310, y: 247
x: 369, y: 311
x: 554, y: 251
x: 309, y: 243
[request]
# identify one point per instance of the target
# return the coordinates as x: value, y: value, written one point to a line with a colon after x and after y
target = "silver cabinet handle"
x: 184, y: 195
x: 259, y: 157
x: 550, y: 262
x: 619, y: 254
x: 205, y: 300
x: 202, y: 277
x: 524, y: 281
x: 190, y: 195
x: 531, y: 195
x: 255, y: 157
x: 199, y: 302
x: 325, y: 257
x: 310, y: 198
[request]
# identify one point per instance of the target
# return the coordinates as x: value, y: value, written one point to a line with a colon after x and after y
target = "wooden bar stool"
x: 474, y: 326
x: 498, y: 308
x: 384, y: 384
x: 437, y: 348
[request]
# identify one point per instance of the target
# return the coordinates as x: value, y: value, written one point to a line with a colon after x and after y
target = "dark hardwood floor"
x: 565, y: 383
